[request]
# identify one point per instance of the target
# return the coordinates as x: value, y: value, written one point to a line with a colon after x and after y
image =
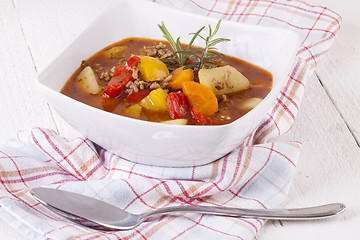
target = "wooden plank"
x: 327, y: 171
x: 20, y: 103
x: 17, y: 79
x: 50, y: 26
x: 327, y: 126
x: 339, y: 73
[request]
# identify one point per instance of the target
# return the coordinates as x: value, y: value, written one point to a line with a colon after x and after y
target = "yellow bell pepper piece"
x: 115, y: 52
x: 152, y: 69
x: 133, y: 110
x: 156, y: 100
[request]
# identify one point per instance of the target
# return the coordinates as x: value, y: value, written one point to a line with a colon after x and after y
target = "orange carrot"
x: 200, y: 97
x: 179, y: 76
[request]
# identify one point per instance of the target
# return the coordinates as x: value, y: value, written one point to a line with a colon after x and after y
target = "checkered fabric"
x: 257, y: 174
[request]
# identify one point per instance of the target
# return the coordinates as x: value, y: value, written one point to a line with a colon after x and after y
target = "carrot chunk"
x: 179, y: 76
x: 200, y: 97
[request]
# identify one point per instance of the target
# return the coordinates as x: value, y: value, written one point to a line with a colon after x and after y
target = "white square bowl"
x: 162, y: 144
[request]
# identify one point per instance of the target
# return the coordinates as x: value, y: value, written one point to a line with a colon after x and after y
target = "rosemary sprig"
x: 202, y: 55
x: 209, y: 50
x: 176, y: 45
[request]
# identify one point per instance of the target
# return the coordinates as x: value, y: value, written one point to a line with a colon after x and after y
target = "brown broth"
x: 229, y: 111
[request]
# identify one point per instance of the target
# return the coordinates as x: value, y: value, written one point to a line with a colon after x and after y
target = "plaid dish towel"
x: 257, y: 174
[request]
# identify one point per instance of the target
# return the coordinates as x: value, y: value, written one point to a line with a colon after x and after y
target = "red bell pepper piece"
x: 177, y: 104
x: 136, y: 97
x: 122, y: 75
x: 200, y: 118
x: 118, y: 71
x: 117, y: 84
x: 131, y: 62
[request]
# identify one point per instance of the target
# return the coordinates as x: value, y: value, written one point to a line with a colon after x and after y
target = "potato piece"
x: 115, y: 51
x: 250, y: 103
x: 87, y: 80
x: 222, y: 80
x: 180, y: 121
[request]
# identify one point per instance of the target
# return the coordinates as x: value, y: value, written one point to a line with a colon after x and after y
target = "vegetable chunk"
x: 200, y: 118
x: 179, y: 76
x: 87, y: 80
x: 152, y: 69
x: 115, y: 52
x: 180, y: 121
x: 177, y: 104
x: 200, y: 97
x: 122, y: 75
x: 223, y: 80
x: 133, y: 110
x: 250, y: 103
x: 156, y: 100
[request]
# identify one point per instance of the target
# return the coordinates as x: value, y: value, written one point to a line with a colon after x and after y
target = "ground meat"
x: 159, y: 51
x: 167, y: 79
x: 218, y: 84
x: 112, y: 70
x: 150, y: 51
x: 215, y: 62
x: 138, y: 84
x: 227, y: 79
x: 105, y: 76
x: 160, y: 84
x: 135, y: 86
x: 135, y: 73
x: 155, y: 85
x: 165, y: 53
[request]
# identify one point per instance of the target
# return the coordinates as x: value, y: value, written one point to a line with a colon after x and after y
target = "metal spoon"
x: 100, y: 215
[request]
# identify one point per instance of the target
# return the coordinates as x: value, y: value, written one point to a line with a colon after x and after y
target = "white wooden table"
x: 327, y: 123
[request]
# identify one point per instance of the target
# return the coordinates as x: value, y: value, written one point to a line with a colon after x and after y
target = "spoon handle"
x: 316, y: 212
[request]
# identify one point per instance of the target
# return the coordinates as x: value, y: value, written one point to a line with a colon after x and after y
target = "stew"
x: 139, y: 78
